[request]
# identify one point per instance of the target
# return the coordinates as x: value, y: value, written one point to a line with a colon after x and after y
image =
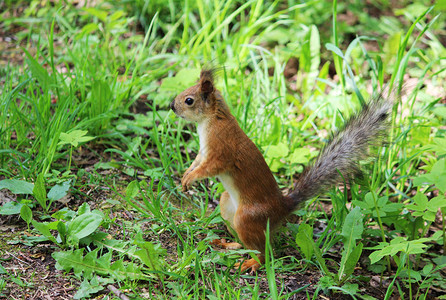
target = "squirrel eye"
x: 189, y: 101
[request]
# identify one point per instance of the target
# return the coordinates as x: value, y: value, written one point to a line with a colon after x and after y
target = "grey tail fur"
x: 341, y: 155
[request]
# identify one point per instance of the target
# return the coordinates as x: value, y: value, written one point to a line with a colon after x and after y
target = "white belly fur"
x: 229, y: 186
x: 203, y: 136
x: 225, y: 179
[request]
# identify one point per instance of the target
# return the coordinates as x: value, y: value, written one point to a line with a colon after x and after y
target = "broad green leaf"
x: 93, y: 264
x: 326, y: 282
x: 368, y: 205
x: 26, y: 214
x: 39, y: 191
x: 440, y: 261
x: 439, y: 174
x: 74, y: 137
x: 393, y: 207
x: 275, y: 165
x: 276, y: 151
x: 421, y: 201
x: 423, y: 179
x: 87, y: 289
x: 376, y: 256
x: 100, y: 14
x: 188, y: 76
x: 348, y: 263
x: 421, y: 135
x: 352, y: 228
x: 150, y: 254
x: 17, y: 186
x: 414, y: 275
x: 44, y: 230
x: 351, y: 231
x: 62, y: 229
x: 52, y: 225
x: 436, y: 176
x: 438, y: 145
x: 101, y: 239
x: 59, y: 191
x: 429, y: 216
x: 11, y: 208
x: 369, y: 200
x: 89, y: 28
x: 67, y: 260
x: 377, y: 268
x: 382, y: 201
x: 304, y: 239
x: 350, y: 288
x: 127, y: 270
x: 155, y: 173
x: 117, y: 15
x: 399, y: 244
x: 91, y: 258
x: 320, y: 260
x: 84, y: 208
x: 84, y: 225
x: 435, y: 203
x: 132, y: 190
x: 300, y: 156
x: 64, y: 214
x: 437, y: 236
x: 183, y: 79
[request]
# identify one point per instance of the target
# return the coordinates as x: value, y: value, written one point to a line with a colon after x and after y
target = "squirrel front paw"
x: 187, y: 181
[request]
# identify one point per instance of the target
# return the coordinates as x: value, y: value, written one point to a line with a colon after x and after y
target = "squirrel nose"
x: 172, y: 105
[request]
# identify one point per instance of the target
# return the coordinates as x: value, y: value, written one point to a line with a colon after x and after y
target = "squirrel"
x: 252, y: 197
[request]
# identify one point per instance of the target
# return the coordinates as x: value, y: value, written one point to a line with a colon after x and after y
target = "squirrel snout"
x: 172, y: 105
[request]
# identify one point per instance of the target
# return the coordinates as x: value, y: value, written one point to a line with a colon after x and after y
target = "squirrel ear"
x: 207, y: 87
x: 206, y: 84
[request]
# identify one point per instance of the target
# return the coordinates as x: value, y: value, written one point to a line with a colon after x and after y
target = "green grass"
x: 109, y: 72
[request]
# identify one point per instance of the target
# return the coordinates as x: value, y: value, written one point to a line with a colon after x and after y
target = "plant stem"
x: 383, y: 235
x: 69, y: 161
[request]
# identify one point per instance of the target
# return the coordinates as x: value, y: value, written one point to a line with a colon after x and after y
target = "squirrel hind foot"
x: 224, y: 245
x: 250, y: 264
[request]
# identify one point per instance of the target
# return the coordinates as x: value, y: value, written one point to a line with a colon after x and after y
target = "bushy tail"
x: 347, y: 147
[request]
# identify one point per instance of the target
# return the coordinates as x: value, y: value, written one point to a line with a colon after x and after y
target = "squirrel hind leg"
x: 251, y: 231
x: 250, y: 227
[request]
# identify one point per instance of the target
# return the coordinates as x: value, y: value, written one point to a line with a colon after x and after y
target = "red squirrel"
x: 252, y: 196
